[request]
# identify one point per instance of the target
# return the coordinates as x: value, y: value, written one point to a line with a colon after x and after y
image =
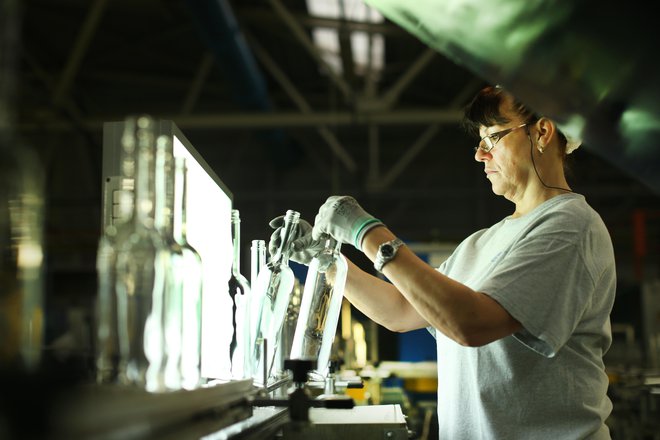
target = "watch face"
x: 387, y: 250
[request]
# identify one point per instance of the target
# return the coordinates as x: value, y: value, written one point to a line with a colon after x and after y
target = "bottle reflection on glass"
x: 239, y: 292
x: 112, y: 238
x: 271, y: 296
x: 321, y: 306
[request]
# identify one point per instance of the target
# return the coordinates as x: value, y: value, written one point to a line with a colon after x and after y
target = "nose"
x: 480, y: 155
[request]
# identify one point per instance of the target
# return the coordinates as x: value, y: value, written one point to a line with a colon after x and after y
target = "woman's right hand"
x: 303, y: 247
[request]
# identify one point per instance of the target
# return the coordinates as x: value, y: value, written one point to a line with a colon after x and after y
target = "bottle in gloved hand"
x: 271, y: 297
x: 321, y: 305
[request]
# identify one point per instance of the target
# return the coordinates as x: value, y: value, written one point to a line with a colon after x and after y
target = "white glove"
x: 303, y: 247
x: 344, y: 219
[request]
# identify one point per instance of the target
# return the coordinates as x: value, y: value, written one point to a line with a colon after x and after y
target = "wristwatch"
x: 386, y: 253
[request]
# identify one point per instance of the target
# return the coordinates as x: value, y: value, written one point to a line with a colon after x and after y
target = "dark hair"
x: 486, y: 109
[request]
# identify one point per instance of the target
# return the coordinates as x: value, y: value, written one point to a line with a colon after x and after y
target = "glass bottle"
x: 165, y: 364
x: 191, y: 330
x: 21, y: 221
x: 140, y: 273
x: 321, y: 306
x: 239, y: 292
x: 257, y: 262
x: 257, y: 259
x: 272, y: 294
x: 289, y: 326
x: 112, y: 237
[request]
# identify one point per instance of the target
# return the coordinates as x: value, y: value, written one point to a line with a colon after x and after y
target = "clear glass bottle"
x: 239, y: 292
x: 257, y: 262
x: 21, y: 221
x: 321, y: 306
x: 191, y: 330
x: 140, y: 273
x: 289, y: 326
x: 165, y: 366
x: 271, y: 299
x: 111, y: 239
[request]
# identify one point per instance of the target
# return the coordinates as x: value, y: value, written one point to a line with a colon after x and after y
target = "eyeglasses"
x: 489, y: 141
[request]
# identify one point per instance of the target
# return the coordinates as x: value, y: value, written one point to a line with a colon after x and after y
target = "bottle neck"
x: 331, y: 244
x: 144, y: 178
x: 180, y: 197
x: 257, y: 259
x: 236, y: 241
x: 126, y: 191
x: 164, y: 187
x: 288, y: 232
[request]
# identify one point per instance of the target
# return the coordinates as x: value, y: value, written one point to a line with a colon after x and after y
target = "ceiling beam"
x: 262, y: 18
x: 418, y: 146
x: 346, y: 48
x: 308, y: 44
x: 302, y: 104
x: 391, y: 96
x: 241, y: 121
x: 198, y: 81
x: 79, y: 50
x: 406, y: 158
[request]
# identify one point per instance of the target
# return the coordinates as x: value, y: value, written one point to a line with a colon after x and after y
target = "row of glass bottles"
x: 148, y: 313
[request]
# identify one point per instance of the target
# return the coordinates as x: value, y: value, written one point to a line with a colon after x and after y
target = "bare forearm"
x: 380, y: 301
x: 462, y: 314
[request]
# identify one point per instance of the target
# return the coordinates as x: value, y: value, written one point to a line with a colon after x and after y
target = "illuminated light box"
x: 209, y: 207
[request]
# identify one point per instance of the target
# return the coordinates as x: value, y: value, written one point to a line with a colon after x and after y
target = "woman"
x: 520, y: 310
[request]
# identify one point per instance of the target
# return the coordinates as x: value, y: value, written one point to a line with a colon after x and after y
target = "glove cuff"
x: 365, y: 227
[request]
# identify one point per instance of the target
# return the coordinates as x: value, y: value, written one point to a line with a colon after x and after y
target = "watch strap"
x: 382, y: 258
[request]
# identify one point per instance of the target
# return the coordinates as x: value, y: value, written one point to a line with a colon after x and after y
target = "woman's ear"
x: 546, y: 131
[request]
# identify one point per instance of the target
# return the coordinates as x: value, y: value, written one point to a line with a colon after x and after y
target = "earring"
x: 541, y: 148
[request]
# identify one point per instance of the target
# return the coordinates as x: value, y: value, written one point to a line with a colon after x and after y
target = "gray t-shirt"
x: 552, y: 270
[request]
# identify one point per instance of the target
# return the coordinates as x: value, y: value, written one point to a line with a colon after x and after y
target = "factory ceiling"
x: 283, y: 122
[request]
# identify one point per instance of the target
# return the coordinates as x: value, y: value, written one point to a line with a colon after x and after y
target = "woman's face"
x: 508, y: 165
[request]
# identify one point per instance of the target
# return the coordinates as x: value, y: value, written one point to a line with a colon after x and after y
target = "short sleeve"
x: 545, y: 284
